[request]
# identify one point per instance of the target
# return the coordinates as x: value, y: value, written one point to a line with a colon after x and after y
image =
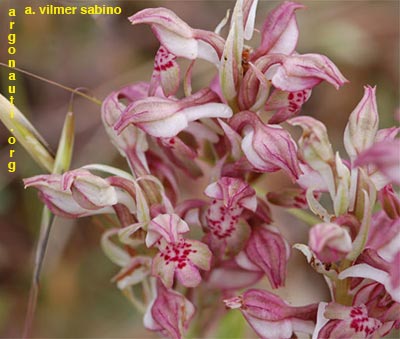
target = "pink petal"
x: 172, y: 32
x: 330, y: 242
x: 300, y: 72
x: 268, y: 250
x: 168, y: 226
x: 385, y: 156
x: 188, y: 275
x: 171, y: 312
x: 267, y: 147
x: 230, y: 276
x: 280, y: 32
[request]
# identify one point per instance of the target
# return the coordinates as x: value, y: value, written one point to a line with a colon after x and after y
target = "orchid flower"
x: 176, y: 255
x: 271, y: 317
x: 387, y: 274
x: 226, y: 232
x: 348, y: 322
x: 161, y: 117
x: 268, y: 148
x: 193, y: 222
x: 178, y: 37
x: 75, y: 194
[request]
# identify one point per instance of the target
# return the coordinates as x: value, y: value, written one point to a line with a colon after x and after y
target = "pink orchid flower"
x: 226, y: 232
x: 161, y: 117
x: 338, y: 321
x: 176, y: 255
x: 268, y: 148
x: 178, y: 37
x: 271, y: 317
x: 75, y: 194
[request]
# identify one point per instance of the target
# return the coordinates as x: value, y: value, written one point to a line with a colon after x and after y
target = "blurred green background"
x: 102, y: 53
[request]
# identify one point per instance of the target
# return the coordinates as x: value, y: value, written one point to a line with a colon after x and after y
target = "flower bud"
x: 88, y: 190
x: 266, y: 250
x: 169, y: 313
x: 390, y: 202
x: 279, y: 33
x: 363, y: 123
x: 329, y: 242
x: 131, y: 142
x: 76, y: 194
x: 314, y: 144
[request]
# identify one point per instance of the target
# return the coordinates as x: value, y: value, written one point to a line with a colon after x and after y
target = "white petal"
x: 209, y: 110
x: 176, y: 44
x: 166, y: 128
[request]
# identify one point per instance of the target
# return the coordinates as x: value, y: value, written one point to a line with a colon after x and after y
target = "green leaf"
x: 65, y: 145
x: 26, y: 134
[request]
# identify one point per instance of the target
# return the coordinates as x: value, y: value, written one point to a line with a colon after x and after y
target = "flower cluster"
x: 179, y: 244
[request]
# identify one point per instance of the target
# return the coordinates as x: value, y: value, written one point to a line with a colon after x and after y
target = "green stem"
x: 304, y: 216
x: 342, y: 295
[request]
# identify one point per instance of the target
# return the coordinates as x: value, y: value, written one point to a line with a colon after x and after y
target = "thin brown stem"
x: 72, y: 90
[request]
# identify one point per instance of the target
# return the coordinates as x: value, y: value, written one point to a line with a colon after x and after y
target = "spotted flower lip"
x: 348, y: 322
x: 165, y: 73
x: 226, y: 232
x: 162, y: 117
x: 286, y: 104
x: 176, y: 255
x: 268, y: 148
